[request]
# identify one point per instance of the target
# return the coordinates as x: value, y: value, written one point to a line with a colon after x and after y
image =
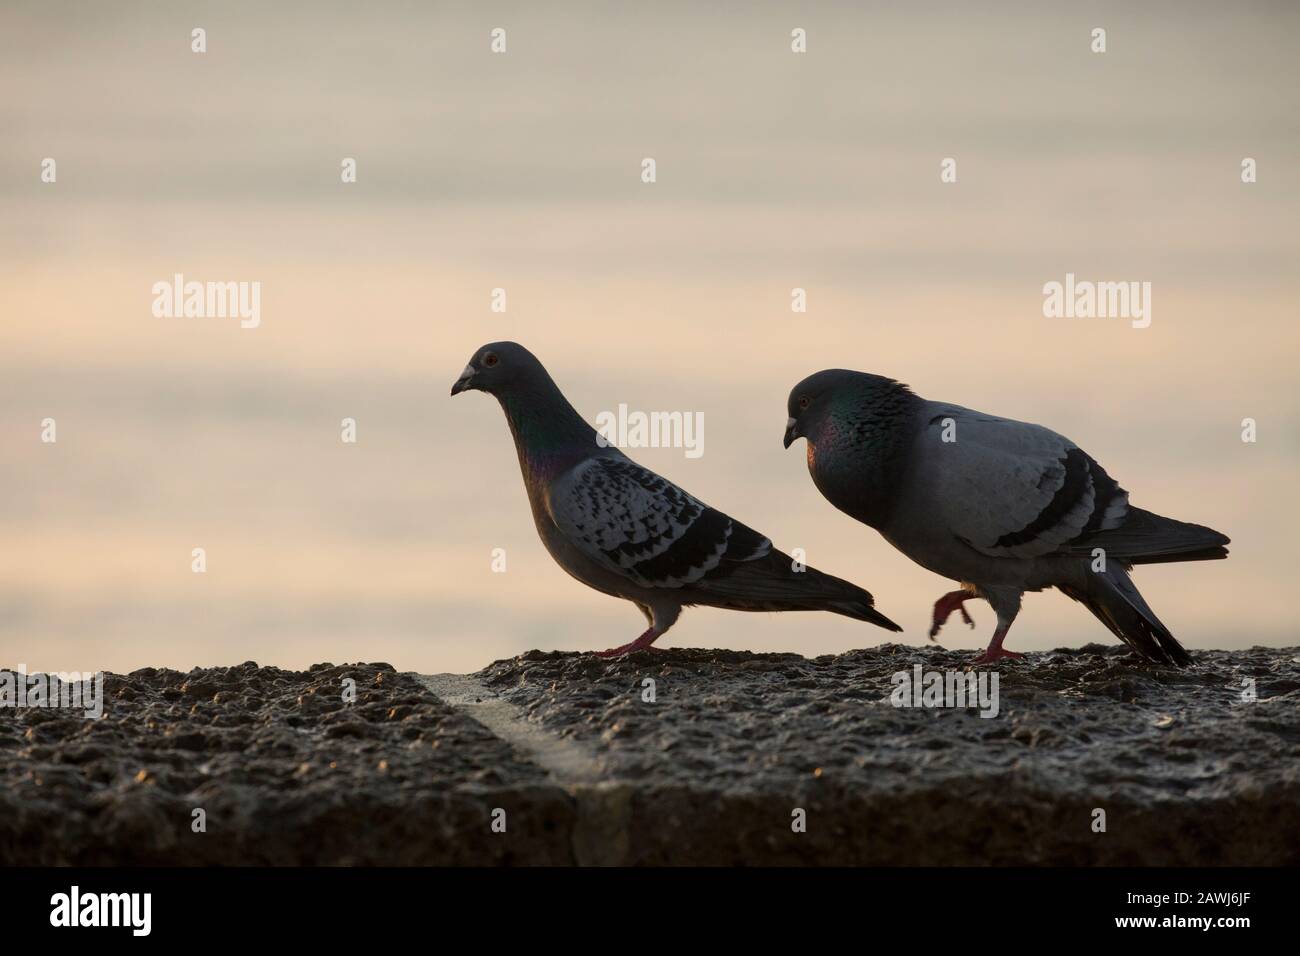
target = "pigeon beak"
x: 791, y: 431
x: 464, y: 382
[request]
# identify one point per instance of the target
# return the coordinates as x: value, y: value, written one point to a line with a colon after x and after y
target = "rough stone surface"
x: 1186, y: 771
x: 286, y: 772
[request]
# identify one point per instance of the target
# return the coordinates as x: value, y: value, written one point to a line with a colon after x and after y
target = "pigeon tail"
x: 1149, y: 538
x: 1113, y: 598
x: 771, y: 584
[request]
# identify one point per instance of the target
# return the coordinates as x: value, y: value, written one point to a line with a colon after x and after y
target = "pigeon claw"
x: 642, y: 643
x: 994, y: 654
x: 943, y: 608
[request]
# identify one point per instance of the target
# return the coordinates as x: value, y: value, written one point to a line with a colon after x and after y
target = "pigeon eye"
x: 490, y: 359
x: 804, y: 403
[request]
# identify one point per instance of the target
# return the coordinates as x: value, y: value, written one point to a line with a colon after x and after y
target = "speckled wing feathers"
x: 644, y: 527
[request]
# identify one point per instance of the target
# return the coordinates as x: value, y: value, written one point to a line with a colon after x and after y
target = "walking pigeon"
x: 625, y: 531
x: 1001, y: 506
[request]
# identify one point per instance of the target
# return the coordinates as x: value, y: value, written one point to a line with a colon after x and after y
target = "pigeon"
x: 625, y: 531
x: 1000, y: 506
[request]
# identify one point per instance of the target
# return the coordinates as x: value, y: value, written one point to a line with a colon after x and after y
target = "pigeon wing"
x: 1012, y: 489
x: 642, y: 526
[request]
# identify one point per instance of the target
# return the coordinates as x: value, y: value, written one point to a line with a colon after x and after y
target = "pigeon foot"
x: 642, y: 643
x: 995, y: 651
x: 943, y: 608
x: 995, y: 654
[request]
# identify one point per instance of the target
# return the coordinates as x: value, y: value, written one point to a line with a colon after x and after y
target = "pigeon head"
x: 837, y: 395
x: 549, y: 434
x: 812, y: 401
x: 501, y: 369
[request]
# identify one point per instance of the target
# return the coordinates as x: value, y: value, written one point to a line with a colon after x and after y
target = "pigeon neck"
x: 859, y: 468
x: 550, y: 436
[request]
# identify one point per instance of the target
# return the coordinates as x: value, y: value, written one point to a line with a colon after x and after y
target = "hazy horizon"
x: 521, y: 171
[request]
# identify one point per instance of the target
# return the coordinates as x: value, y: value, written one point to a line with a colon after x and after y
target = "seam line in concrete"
x: 567, y: 762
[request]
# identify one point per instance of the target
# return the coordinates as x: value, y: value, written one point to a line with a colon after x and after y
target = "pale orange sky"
x: 521, y: 171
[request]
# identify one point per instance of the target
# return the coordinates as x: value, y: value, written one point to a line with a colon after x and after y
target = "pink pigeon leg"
x: 640, y: 644
x: 952, y: 601
x: 995, y: 651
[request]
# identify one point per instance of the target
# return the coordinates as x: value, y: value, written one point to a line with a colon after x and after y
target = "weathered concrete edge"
x: 610, y: 812
x: 603, y: 806
x: 566, y: 761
